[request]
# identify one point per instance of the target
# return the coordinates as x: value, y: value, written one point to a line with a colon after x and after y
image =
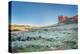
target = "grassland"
x: 54, y: 37
x: 19, y: 27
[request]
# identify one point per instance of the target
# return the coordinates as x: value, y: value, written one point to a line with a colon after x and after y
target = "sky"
x: 39, y: 14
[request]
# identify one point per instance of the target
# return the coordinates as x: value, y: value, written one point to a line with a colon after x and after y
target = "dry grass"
x: 19, y: 27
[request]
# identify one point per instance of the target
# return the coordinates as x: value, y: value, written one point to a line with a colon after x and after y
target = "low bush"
x: 72, y: 44
x: 16, y: 30
x: 50, y: 39
x: 45, y: 29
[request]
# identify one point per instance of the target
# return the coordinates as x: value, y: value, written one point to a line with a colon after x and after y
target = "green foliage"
x: 45, y: 29
x: 72, y: 44
x: 40, y: 37
x: 16, y: 30
x: 50, y: 39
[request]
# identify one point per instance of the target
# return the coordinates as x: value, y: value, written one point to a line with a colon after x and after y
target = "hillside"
x: 55, y: 37
x: 20, y: 27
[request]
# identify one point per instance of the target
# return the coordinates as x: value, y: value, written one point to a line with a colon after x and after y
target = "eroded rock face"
x: 68, y: 20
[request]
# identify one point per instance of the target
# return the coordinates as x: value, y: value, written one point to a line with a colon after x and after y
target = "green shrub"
x: 50, y: 39
x: 16, y: 30
x: 45, y: 29
x: 72, y: 44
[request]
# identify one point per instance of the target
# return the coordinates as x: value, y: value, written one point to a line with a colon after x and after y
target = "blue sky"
x: 39, y: 14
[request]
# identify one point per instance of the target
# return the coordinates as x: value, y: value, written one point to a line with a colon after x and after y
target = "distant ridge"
x: 20, y: 27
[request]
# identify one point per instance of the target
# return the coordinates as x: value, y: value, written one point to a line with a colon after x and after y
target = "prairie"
x: 54, y: 37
